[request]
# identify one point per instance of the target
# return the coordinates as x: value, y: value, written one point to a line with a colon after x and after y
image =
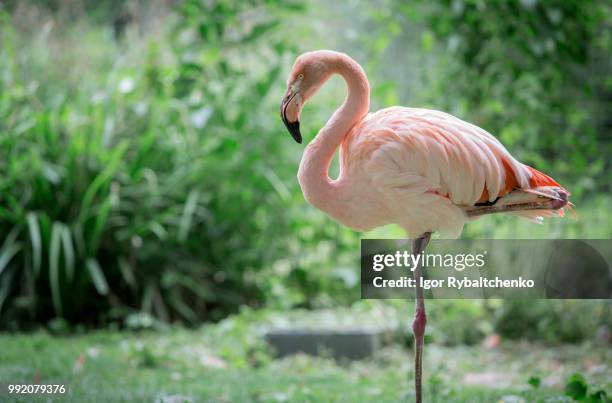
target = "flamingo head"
x: 308, y: 74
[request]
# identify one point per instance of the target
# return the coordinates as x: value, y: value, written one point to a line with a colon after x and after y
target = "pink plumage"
x: 425, y: 170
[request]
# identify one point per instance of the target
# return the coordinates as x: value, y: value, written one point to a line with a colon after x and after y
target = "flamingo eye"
x: 300, y: 76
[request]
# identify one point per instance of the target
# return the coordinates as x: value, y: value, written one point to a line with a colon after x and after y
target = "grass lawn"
x: 228, y: 362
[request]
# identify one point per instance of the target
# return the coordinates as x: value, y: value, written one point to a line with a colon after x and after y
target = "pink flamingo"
x: 422, y: 169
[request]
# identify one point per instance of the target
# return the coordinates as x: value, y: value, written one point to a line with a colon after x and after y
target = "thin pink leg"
x: 420, y: 318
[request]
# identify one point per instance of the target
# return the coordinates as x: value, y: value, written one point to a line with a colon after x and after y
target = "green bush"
x: 165, y: 186
x: 551, y: 320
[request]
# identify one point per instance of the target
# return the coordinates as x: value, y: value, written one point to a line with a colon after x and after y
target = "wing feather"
x: 431, y: 151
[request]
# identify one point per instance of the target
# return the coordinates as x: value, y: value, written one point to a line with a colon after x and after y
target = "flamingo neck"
x: 319, y: 189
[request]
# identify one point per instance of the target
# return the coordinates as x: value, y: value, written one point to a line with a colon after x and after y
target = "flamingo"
x: 422, y: 169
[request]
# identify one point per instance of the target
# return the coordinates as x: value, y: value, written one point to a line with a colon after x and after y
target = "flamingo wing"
x: 435, y: 170
x: 444, y: 155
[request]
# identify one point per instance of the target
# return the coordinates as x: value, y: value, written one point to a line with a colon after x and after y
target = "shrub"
x: 163, y: 187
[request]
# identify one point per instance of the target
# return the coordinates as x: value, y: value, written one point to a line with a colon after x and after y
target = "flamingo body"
x: 425, y: 170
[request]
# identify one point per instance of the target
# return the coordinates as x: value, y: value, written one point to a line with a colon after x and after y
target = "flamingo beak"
x: 293, y: 127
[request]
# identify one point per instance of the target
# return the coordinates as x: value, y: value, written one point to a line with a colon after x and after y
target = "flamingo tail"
x: 544, y: 198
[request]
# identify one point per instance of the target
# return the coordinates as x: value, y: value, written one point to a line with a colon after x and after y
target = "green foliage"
x: 550, y: 320
x: 455, y: 322
x: 577, y: 388
x: 164, y: 187
x: 534, y: 381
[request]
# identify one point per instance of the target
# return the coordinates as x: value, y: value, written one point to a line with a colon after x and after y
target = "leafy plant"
x: 164, y: 186
x: 534, y: 381
x: 577, y: 388
x: 549, y: 320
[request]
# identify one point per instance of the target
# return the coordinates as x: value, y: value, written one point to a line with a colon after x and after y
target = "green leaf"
x: 5, y: 288
x: 6, y: 214
x: 146, y: 304
x: 68, y: 253
x: 277, y: 184
x: 427, y: 41
x: 127, y: 272
x: 264, y: 86
x: 576, y: 387
x: 11, y: 237
x: 534, y: 381
x: 54, y: 275
x: 598, y: 396
x: 102, y: 178
x: 173, y: 278
x: 7, y: 253
x: 100, y: 222
x: 79, y: 239
x: 97, y: 275
x: 36, y: 242
x: 182, y: 308
x: 187, y: 216
x: 259, y: 30
x: 158, y: 230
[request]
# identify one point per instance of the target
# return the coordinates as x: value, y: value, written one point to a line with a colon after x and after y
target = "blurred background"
x: 147, y: 182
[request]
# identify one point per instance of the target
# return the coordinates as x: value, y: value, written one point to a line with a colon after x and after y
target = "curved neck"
x: 313, y: 175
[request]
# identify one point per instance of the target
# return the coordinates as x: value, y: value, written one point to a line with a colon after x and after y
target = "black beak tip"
x: 292, y: 127
x: 294, y: 130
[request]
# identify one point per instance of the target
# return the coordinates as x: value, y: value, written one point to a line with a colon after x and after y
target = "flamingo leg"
x: 420, y: 318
